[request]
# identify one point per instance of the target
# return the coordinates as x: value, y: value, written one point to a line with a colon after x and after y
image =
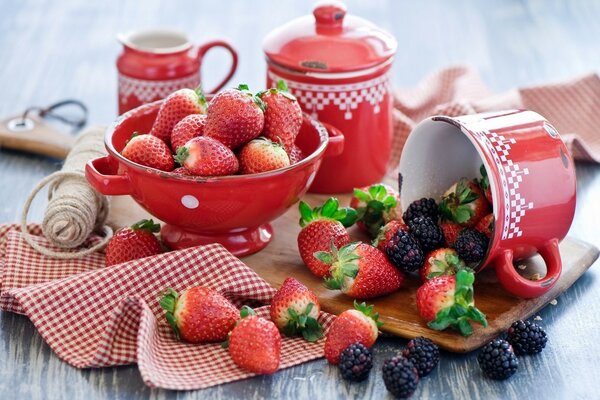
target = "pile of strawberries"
x: 202, y: 315
x: 442, y: 244
x: 236, y: 132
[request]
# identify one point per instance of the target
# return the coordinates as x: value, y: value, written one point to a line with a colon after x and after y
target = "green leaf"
x: 483, y: 171
x: 464, y: 327
x: 463, y: 214
x: 147, y: 225
x: 181, y: 155
x: 477, y: 316
x: 324, y: 257
x: 390, y: 202
x: 434, y: 274
x: 308, y: 308
x: 173, y: 322
x: 330, y: 207
x: 246, y: 311
x: 289, y: 329
x: 281, y: 86
x: 350, y: 270
x: 440, y: 264
x: 362, y: 196
x: 225, y: 344
x: 350, y: 218
x: 306, y: 213
x: 375, y: 205
x: 332, y: 283
x: 243, y: 87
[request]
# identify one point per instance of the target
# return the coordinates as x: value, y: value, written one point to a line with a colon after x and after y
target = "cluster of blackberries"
x: 407, y: 249
x: 498, y: 359
x: 401, y: 373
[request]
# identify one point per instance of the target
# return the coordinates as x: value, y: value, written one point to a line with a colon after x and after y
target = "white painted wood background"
x: 50, y: 50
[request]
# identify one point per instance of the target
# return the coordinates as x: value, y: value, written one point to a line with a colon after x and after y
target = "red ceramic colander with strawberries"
x: 232, y: 210
x: 532, y: 180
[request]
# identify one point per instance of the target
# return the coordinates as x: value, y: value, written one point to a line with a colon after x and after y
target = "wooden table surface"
x: 53, y: 50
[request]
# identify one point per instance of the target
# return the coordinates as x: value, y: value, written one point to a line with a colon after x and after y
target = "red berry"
x: 149, y: 151
x: 261, y: 155
x: 283, y: 116
x: 203, y: 156
x: 188, y: 128
x: 174, y: 108
x: 131, y: 243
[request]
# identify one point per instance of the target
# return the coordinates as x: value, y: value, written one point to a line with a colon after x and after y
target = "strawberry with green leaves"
x: 464, y: 203
x: 262, y: 155
x: 235, y: 117
x: 441, y: 262
x: 199, y: 315
x: 376, y: 205
x: 149, y: 151
x: 358, y: 325
x: 131, y: 243
x: 447, y: 301
x: 484, y: 184
x: 255, y: 343
x: 174, y: 108
x: 320, y: 226
x: 204, y: 156
x: 360, y: 271
x: 283, y: 115
x: 295, y: 309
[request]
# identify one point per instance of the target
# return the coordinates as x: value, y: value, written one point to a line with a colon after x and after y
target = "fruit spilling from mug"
x: 441, y: 243
x: 237, y: 132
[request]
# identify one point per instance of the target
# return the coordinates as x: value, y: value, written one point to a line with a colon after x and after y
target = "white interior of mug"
x: 435, y: 156
x: 158, y: 41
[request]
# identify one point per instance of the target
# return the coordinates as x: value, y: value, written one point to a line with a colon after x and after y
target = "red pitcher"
x: 154, y: 63
x: 337, y: 67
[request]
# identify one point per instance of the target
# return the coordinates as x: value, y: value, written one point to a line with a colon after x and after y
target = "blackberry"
x: 471, y: 245
x: 526, y: 337
x: 423, y: 353
x: 423, y: 207
x: 356, y: 362
x: 427, y: 232
x: 497, y: 359
x: 400, y: 377
x: 404, y: 252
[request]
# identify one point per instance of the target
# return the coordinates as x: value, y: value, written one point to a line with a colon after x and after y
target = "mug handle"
x: 106, y: 183
x: 202, y: 50
x: 335, y: 147
x: 522, y: 287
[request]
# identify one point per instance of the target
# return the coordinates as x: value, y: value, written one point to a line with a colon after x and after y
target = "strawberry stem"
x: 377, y: 202
x: 303, y: 323
x: 146, y: 225
x: 169, y: 302
x: 329, y: 210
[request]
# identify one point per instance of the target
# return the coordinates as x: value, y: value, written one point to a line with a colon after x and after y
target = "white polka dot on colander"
x: 189, y: 201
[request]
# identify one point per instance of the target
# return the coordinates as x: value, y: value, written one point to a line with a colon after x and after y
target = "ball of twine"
x: 75, y: 209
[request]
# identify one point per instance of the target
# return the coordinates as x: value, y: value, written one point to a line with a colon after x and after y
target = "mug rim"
x: 128, y: 39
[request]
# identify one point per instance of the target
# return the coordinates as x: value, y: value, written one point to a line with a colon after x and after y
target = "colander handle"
x: 523, y: 287
x: 98, y: 175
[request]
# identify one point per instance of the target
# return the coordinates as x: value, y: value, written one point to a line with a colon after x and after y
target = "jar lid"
x: 329, y: 41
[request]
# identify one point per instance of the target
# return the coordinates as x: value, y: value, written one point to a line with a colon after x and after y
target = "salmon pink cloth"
x: 572, y: 107
x: 96, y: 316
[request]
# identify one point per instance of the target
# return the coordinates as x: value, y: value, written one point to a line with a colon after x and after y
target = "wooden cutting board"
x: 398, y: 311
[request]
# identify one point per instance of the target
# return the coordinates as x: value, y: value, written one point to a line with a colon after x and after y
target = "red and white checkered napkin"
x: 571, y: 106
x: 97, y: 316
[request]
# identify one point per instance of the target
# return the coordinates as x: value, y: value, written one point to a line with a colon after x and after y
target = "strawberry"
x: 321, y: 226
x: 387, y: 232
x: 439, y: 262
x: 235, y: 116
x: 360, y: 271
x: 255, y: 343
x: 376, y: 205
x: 464, y: 203
x: 447, y: 301
x: 450, y: 230
x: 359, y: 325
x: 190, y: 127
x: 203, y: 156
x: 296, y: 155
x: 261, y: 155
x: 283, y: 115
x: 181, y: 171
x: 295, y: 309
x: 484, y: 184
x: 174, y: 108
x: 199, y: 314
x: 486, y: 225
x: 131, y: 243
x: 149, y: 151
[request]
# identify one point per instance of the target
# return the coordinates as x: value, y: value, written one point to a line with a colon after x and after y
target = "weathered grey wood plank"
x: 52, y: 50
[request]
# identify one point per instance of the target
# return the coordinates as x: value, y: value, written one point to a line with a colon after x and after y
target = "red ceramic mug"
x: 154, y: 63
x: 532, y: 179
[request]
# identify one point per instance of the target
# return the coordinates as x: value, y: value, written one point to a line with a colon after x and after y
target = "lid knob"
x: 329, y: 14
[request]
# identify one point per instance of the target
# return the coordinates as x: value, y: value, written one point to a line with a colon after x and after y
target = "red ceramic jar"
x: 532, y: 181
x: 337, y: 65
x: 155, y: 63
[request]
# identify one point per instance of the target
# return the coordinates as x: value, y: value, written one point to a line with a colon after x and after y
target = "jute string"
x: 75, y: 209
